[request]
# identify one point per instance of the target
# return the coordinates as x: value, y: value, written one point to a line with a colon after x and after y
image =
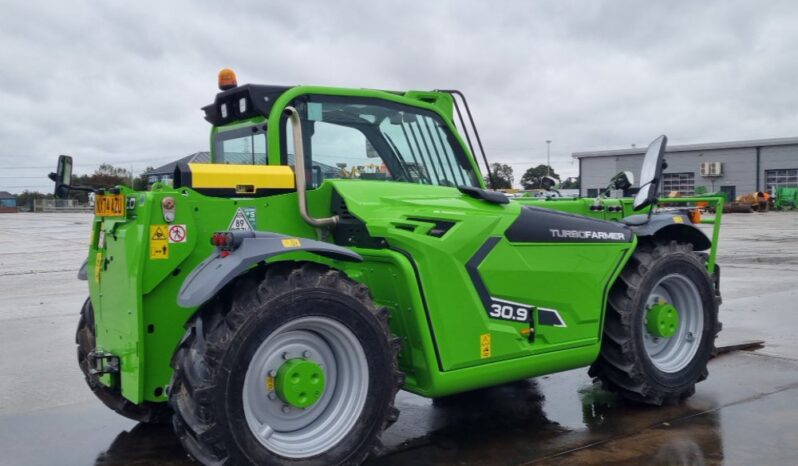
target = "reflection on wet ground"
x: 745, y: 413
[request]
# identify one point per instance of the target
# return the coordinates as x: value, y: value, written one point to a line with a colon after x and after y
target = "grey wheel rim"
x: 675, y: 353
x: 300, y: 433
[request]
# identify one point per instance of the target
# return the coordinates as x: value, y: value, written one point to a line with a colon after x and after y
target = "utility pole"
x: 548, y: 157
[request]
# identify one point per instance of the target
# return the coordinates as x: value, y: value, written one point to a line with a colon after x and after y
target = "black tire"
x: 148, y: 412
x: 624, y: 365
x: 221, y: 340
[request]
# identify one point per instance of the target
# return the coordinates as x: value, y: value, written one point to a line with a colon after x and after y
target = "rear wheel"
x: 292, y: 366
x: 660, y: 326
x: 154, y: 413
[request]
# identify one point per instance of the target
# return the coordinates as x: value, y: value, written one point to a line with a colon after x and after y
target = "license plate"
x: 111, y: 205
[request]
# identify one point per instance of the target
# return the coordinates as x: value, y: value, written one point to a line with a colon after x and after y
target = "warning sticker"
x: 270, y: 383
x: 159, y: 242
x: 244, y: 219
x: 177, y: 234
x: 291, y: 243
x: 98, y: 265
x: 484, y: 346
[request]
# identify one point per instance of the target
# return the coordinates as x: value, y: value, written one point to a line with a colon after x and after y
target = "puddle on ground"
x: 747, y: 411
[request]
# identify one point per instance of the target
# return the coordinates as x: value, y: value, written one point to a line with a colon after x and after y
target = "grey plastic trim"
x: 212, y: 274
x: 83, y: 273
x: 663, y: 225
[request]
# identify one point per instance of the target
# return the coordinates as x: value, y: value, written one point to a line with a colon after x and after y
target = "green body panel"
x: 138, y: 318
x: 422, y: 279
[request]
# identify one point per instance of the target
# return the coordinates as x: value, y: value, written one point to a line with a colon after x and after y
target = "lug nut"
x: 286, y: 409
x: 272, y: 373
x: 272, y: 396
x: 306, y: 354
x: 285, y: 355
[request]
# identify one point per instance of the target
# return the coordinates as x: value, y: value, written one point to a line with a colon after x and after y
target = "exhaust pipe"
x: 299, y: 173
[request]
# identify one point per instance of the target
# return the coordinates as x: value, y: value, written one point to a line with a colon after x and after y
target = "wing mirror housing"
x: 651, y: 173
x: 62, y: 176
x: 548, y: 182
x: 623, y: 181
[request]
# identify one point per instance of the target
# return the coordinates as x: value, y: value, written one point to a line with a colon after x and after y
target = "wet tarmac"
x: 745, y: 413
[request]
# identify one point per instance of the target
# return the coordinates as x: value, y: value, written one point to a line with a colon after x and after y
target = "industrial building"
x: 735, y: 167
x: 8, y: 202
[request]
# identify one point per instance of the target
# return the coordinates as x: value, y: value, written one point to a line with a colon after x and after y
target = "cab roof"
x: 250, y: 100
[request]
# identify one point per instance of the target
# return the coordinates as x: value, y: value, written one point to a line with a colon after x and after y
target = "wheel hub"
x: 662, y: 320
x: 299, y: 382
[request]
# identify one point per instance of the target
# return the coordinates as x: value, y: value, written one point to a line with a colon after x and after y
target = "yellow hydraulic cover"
x: 238, y: 180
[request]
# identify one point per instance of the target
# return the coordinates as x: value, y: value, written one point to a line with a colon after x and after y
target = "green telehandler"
x: 341, y: 245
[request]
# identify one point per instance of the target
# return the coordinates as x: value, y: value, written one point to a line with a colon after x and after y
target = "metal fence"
x: 60, y: 205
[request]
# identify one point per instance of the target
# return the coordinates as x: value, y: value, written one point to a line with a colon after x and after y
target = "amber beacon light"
x: 227, y: 79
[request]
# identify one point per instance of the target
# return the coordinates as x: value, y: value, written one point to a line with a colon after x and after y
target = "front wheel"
x: 294, y: 367
x: 660, y: 326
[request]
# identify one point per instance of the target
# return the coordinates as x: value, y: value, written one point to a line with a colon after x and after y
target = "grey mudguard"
x: 665, y: 225
x: 83, y: 273
x: 212, y: 274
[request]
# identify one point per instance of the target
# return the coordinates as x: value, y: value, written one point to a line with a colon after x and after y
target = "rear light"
x: 228, y: 241
x: 222, y: 240
x: 695, y: 216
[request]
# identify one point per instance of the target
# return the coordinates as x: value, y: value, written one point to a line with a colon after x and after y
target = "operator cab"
x: 343, y: 137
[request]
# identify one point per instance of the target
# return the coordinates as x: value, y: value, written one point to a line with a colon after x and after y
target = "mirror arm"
x: 54, y: 177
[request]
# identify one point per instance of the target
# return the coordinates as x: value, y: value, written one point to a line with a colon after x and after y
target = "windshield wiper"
x: 398, y: 155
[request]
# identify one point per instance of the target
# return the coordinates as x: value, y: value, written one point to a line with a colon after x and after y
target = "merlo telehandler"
x: 341, y: 245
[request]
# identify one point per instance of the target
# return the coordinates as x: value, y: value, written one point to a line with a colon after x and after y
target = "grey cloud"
x: 122, y: 82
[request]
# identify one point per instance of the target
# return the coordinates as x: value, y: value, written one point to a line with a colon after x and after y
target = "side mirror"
x: 623, y: 180
x: 62, y: 176
x: 547, y: 182
x: 651, y: 173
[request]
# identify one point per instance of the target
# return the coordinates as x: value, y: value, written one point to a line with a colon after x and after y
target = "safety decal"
x: 245, y: 219
x: 177, y: 234
x: 677, y: 219
x: 159, y: 242
x: 98, y: 265
x: 484, y: 346
x: 291, y: 243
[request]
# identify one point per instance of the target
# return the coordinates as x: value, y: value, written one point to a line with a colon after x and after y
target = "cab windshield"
x: 241, y: 146
x: 372, y: 139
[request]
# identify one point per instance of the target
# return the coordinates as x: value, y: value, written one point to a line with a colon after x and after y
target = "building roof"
x: 7, y: 195
x: 169, y: 168
x: 692, y: 147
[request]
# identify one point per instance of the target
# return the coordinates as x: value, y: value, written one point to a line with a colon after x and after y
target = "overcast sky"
x: 122, y: 82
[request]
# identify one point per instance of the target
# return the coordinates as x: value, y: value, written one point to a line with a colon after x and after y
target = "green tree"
x: 570, y: 183
x: 105, y: 176
x: 141, y: 182
x: 502, y: 176
x: 532, y: 177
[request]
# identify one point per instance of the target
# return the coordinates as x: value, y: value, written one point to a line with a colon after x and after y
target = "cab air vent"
x: 440, y: 228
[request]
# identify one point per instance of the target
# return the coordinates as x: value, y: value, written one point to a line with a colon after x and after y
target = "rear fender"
x: 672, y: 227
x: 83, y: 273
x: 212, y: 274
